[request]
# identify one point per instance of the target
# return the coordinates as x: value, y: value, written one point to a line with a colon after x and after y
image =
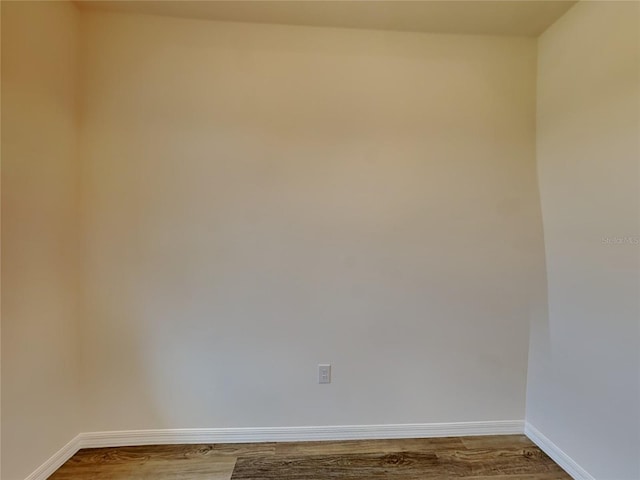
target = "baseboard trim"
x: 557, y: 455
x: 271, y: 434
x: 52, y: 464
x: 297, y: 434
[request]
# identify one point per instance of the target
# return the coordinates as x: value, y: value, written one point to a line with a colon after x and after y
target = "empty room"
x: 318, y: 239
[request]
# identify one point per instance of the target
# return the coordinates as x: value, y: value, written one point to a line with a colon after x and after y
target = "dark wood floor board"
x: 493, y: 462
x: 392, y: 466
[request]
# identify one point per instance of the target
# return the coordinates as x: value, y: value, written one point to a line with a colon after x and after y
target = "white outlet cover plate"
x: 324, y: 373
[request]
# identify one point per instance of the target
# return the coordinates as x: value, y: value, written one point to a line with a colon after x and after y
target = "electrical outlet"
x: 324, y: 373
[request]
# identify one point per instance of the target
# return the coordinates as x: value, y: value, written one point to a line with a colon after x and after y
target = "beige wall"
x: 584, y: 370
x: 264, y: 198
x: 40, y: 351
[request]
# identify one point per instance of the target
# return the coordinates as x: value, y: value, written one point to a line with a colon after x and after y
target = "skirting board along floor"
x: 272, y: 434
x: 557, y: 455
x: 56, y: 460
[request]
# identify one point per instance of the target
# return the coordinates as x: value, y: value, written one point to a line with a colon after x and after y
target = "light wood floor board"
x: 151, y: 465
x: 511, y: 457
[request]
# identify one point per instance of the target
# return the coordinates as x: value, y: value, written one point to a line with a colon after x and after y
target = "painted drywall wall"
x: 584, y: 371
x: 260, y: 199
x: 40, y: 227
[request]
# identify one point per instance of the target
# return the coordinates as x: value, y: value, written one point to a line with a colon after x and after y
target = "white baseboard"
x: 272, y: 434
x: 56, y: 461
x: 557, y: 455
x: 297, y: 434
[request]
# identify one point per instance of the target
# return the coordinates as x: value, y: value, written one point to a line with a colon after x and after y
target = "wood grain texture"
x: 214, y: 468
x: 511, y: 457
x: 399, y: 465
x: 496, y: 441
x: 368, y: 446
x: 169, y: 452
x: 175, y: 462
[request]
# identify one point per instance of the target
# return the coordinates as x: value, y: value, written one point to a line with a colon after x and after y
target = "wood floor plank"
x: 114, y: 455
x: 492, y: 462
x: 213, y: 468
x: 496, y: 441
x: 368, y: 446
x: 394, y: 466
x: 220, y: 468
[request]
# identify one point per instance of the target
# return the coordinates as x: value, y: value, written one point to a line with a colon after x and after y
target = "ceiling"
x: 500, y: 17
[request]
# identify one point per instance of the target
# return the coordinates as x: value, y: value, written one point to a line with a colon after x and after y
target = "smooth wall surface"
x: 584, y: 370
x: 260, y: 199
x: 40, y: 227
